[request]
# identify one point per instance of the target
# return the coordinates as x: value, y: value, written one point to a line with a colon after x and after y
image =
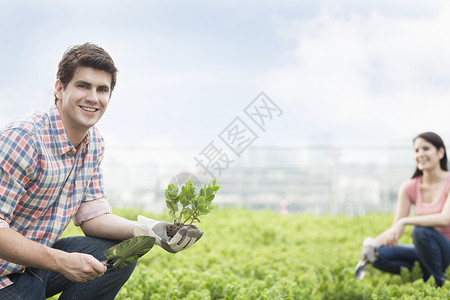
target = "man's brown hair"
x: 85, y: 55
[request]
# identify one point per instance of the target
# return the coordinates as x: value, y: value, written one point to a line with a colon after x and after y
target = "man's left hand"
x: 183, y: 239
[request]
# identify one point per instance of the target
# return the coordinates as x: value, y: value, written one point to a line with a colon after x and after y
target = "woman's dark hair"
x: 437, y: 142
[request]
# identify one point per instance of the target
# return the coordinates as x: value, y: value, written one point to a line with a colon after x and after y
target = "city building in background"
x: 314, y: 179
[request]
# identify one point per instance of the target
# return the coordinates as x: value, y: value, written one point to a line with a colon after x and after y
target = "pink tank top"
x: 412, y: 189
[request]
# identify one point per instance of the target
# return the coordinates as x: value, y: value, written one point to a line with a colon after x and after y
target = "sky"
x: 342, y: 73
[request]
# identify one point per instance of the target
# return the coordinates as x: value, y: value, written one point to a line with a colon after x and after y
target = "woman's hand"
x: 394, y: 233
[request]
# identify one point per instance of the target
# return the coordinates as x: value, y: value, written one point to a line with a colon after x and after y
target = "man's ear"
x: 59, y: 87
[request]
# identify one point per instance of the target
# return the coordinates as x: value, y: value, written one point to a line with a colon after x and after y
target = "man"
x: 49, y: 174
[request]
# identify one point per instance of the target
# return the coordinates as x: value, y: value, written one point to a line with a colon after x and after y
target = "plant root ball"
x: 172, y: 229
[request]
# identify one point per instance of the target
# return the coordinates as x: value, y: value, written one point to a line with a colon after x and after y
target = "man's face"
x: 84, y: 100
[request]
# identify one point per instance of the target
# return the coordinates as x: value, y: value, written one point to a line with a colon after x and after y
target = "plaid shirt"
x: 45, y: 181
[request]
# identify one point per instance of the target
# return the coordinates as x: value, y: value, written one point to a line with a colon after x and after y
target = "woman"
x: 428, y: 190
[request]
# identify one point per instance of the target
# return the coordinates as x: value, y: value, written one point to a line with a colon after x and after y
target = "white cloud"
x: 375, y: 72
x: 349, y: 67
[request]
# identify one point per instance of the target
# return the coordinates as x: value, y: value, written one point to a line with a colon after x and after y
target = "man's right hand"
x: 80, y: 267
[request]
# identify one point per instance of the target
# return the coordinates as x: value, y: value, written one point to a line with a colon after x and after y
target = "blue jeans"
x: 431, y: 249
x: 36, y: 284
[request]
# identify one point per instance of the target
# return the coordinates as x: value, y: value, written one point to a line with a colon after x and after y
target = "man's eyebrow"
x: 89, y: 84
x: 82, y: 82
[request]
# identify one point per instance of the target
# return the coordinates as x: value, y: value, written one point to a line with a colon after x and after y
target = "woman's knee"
x: 383, y: 256
x: 385, y: 261
x: 420, y: 233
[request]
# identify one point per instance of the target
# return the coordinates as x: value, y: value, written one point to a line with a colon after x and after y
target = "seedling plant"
x: 186, y: 206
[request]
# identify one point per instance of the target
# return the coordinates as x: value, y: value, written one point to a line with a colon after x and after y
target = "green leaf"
x: 192, y: 205
x: 209, y: 190
x: 126, y: 252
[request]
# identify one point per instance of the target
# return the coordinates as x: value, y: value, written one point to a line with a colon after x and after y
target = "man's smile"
x: 89, y: 109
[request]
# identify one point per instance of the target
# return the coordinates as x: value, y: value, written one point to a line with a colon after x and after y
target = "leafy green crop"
x: 293, y: 257
x: 192, y: 205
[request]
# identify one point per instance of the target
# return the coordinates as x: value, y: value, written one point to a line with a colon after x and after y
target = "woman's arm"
x: 441, y: 219
x: 389, y: 237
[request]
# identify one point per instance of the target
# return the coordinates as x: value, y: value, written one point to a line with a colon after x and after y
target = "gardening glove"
x: 369, y: 252
x: 183, y: 239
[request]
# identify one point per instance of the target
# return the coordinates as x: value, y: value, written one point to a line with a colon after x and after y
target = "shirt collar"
x: 60, y: 134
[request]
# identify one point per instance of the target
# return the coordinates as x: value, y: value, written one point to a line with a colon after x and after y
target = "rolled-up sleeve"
x: 91, y: 209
